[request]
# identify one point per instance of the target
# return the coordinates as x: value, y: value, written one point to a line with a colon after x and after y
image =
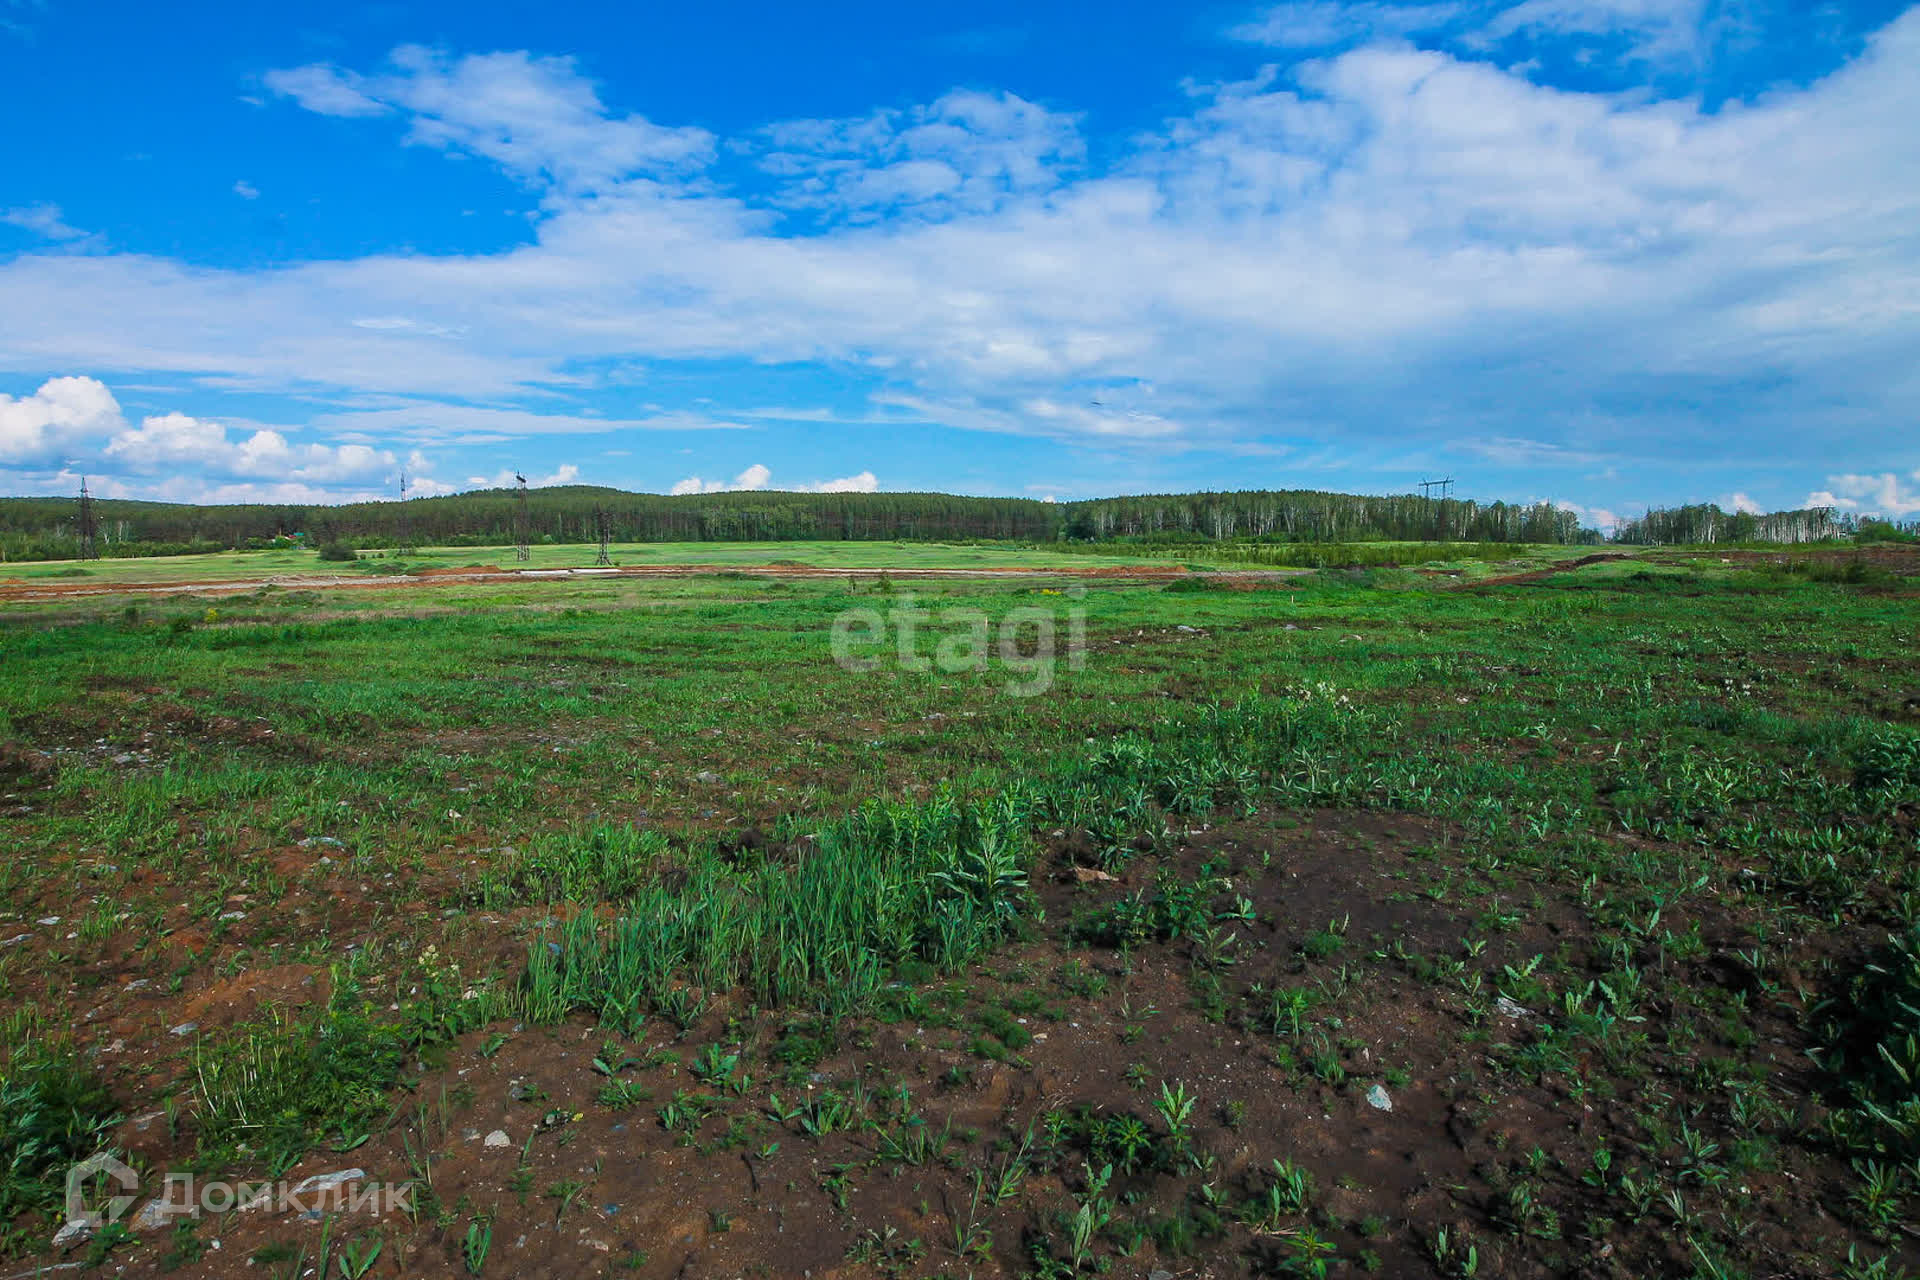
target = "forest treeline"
x: 1705, y: 523
x: 48, y: 528
x: 39, y: 528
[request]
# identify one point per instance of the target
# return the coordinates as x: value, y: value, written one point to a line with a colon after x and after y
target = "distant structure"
x: 1445, y: 487
x: 523, y: 527
x: 403, y: 509
x: 89, y: 526
x: 603, y: 525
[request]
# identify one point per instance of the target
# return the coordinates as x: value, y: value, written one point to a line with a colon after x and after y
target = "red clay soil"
x: 16, y: 590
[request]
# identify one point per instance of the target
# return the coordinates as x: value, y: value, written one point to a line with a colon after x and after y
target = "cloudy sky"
x: 1604, y: 252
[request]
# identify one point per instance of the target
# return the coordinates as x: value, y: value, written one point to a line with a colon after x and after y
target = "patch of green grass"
x: 54, y: 1112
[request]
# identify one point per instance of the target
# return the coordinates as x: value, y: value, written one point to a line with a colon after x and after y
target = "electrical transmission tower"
x: 603, y: 525
x: 89, y: 527
x: 1445, y: 487
x: 522, y: 524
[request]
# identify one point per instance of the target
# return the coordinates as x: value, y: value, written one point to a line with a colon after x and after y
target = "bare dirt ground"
x: 565, y: 1145
x: 15, y: 590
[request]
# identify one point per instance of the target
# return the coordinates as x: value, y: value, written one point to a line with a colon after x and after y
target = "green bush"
x: 283, y: 1084
x: 53, y: 1113
x: 1889, y: 758
x: 889, y: 884
x: 1870, y: 1047
x: 338, y: 552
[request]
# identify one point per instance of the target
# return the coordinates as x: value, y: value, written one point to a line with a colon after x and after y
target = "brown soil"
x: 721, y: 1199
x: 16, y: 590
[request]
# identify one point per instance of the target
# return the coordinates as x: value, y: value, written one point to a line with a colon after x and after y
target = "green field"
x: 829, y: 555
x: 224, y: 565
x: 1018, y: 964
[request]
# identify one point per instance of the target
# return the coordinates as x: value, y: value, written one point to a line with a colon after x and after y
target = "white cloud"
x: 1875, y: 495
x: 65, y: 413
x: 75, y: 425
x: 456, y: 423
x: 1649, y: 33
x: 1601, y: 518
x: 865, y: 482
x: 246, y: 190
x: 1088, y: 420
x: 759, y: 476
x: 565, y: 473
x: 754, y: 477
x: 1654, y: 30
x: 1390, y: 241
x: 535, y: 117
x: 172, y: 441
x: 968, y: 151
x: 1309, y: 24
x: 325, y: 90
x: 42, y: 220
x: 1740, y: 502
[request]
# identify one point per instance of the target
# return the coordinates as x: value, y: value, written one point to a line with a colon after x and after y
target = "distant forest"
x: 48, y: 528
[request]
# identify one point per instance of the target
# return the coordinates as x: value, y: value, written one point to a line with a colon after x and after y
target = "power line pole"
x: 403, y: 509
x: 89, y: 527
x: 522, y: 523
x: 604, y: 525
x: 1446, y: 491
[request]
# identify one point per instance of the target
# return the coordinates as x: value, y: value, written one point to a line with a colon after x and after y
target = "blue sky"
x: 1602, y: 252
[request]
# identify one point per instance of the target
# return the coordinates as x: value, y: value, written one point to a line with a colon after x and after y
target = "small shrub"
x: 1870, y: 1038
x: 53, y: 1113
x: 1889, y: 758
x: 283, y: 1084
x: 337, y: 552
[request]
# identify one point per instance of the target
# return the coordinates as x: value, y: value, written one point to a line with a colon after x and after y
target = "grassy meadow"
x: 1370, y: 922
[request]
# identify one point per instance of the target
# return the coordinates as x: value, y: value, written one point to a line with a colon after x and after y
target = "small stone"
x: 499, y: 1138
x: 324, y: 1182
x: 706, y: 775
x: 184, y: 1029
x: 73, y: 1233
x: 1512, y: 1009
x: 158, y: 1213
x: 1377, y: 1099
